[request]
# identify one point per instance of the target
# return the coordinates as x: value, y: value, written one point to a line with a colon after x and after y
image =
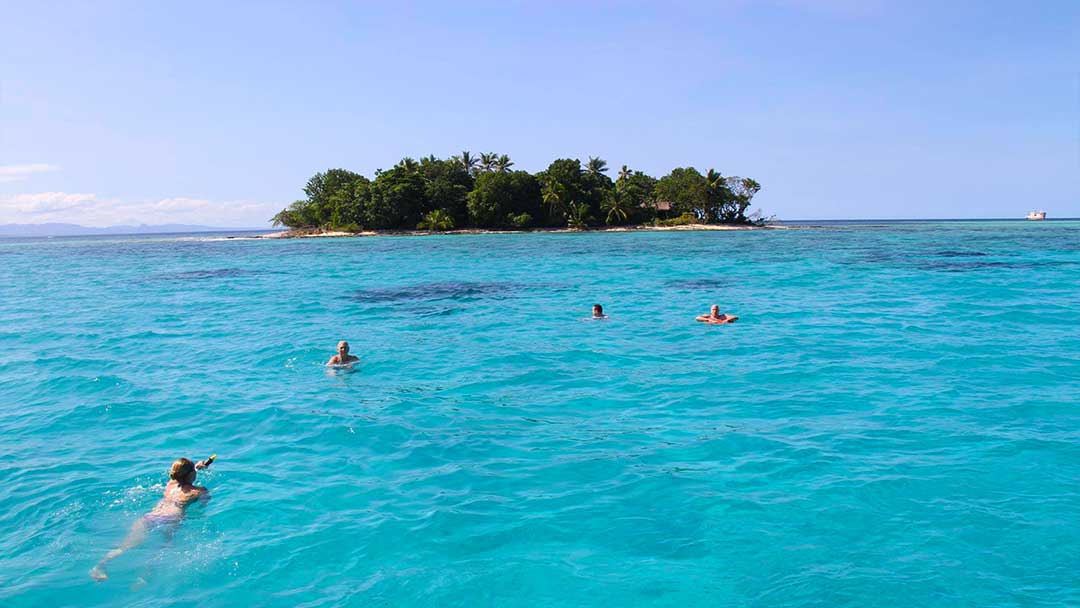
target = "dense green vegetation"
x: 483, y: 191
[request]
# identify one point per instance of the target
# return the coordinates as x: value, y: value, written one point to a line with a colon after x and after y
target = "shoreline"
x: 322, y: 234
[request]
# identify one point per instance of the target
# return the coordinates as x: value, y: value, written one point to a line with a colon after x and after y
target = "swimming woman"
x: 715, y: 318
x: 342, y: 357
x: 598, y: 312
x: 180, y: 492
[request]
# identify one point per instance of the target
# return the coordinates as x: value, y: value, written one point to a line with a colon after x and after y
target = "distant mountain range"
x: 24, y: 230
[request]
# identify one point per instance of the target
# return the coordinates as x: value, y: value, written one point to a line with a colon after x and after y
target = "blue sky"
x: 217, y: 113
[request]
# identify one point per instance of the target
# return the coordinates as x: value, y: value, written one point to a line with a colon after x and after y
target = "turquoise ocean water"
x: 892, y: 422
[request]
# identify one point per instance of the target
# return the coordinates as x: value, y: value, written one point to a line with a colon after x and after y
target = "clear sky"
x: 217, y: 113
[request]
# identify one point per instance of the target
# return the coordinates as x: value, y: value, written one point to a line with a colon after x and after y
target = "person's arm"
x: 333, y: 360
x: 202, y: 464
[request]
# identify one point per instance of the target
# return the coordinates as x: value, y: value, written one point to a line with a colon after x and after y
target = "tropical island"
x: 468, y: 192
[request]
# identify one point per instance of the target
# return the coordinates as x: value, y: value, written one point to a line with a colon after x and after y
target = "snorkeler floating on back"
x: 180, y: 492
x: 715, y: 318
x: 342, y: 357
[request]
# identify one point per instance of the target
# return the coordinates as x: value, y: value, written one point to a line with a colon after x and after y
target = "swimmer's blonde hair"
x: 181, y: 469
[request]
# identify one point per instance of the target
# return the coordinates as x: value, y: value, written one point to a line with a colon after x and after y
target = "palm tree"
x: 503, y: 163
x: 596, y: 165
x: 616, y: 209
x: 409, y: 164
x: 624, y: 173
x: 579, y: 216
x: 714, y: 178
x: 488, y: 160
x: 297, y: 215
x: 467, y: 160
x: 437, y: 220
x: 719, y: 195
x: 284, y: 218
x: 553, y: 194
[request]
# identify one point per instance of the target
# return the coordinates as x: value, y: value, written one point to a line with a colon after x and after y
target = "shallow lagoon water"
x: 892, y: 422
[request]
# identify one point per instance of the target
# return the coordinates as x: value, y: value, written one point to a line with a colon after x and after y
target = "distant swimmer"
x: 180, y: 492
x: 715, y: 318
x: 598, y: 312
x: 342, y: 357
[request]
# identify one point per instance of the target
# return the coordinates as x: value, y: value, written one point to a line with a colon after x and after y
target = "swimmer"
x: 180, y: 492
x: 342, y: 357
x: 715, y: 318
x: 598, y: 312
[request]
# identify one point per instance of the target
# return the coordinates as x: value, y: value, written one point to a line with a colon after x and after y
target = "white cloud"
x: 43, y: 202
x: 91, y: 210
x: 17, y: 173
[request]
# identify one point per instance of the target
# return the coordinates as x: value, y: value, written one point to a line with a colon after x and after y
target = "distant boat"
x: 1036, y: 215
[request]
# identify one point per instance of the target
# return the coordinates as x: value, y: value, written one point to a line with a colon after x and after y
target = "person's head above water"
x: 342, y: 357
x: 183, y: 471
x: 597, y: 310
x: 715, y: 317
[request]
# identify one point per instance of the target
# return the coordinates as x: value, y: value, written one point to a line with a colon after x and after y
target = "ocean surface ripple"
x: 892, y: 422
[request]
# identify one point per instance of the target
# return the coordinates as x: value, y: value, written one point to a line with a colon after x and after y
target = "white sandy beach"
x: 305, y: 234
